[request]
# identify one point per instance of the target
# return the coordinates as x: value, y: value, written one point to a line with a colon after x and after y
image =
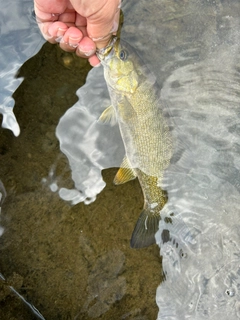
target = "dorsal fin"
x: 125, y: 173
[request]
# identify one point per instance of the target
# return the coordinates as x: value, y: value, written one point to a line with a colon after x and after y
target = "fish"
x: 136, y: 107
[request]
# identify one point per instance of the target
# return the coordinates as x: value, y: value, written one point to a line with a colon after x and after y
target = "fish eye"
x: 123, y: 55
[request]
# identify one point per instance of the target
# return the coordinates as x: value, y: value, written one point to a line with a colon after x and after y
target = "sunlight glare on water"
x: 89, y: 145
x: 17, y: 45
x: 199, y: 234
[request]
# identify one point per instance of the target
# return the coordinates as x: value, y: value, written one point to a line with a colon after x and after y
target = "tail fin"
x: 144, y: 232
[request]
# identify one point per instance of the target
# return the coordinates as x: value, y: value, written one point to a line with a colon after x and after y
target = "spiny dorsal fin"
x: 125, y: 173
x: 108, y: 116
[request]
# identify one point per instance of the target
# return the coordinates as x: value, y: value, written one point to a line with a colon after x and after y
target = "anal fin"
x: 125, y: 173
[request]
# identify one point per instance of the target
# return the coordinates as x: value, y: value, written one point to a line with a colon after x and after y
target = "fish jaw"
x: 121, y: 76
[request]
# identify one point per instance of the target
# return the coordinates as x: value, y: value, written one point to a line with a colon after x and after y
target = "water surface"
x: 74, y: 262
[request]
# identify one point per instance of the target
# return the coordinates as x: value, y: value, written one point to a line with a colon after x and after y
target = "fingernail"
x: 98, y: 65
x: 61, y: 31
x: 47, y: 36
x: 89, y: 53
x: 73, y: 42
x: 59, y: 39
x: 86, y: 53
x: 75, y: 39
x: 97, y: 39
x: 73, y: 45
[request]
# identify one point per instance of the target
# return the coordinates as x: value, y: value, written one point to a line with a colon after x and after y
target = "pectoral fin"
x: 108, y: 116
x: 125, y: 173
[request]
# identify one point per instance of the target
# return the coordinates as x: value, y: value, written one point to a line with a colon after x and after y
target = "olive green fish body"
x: 144, y: 131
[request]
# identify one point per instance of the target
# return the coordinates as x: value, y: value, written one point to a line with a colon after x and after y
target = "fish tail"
x: 144, y: 232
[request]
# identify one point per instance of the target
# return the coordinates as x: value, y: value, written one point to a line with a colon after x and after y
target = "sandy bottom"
x: 69, y: 262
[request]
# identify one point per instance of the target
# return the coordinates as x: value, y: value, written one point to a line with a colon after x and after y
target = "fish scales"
x: 137, y: 108
x: 150, y: 134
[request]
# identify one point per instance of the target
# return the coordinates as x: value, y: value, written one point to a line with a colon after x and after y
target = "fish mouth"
x: 107, y: 52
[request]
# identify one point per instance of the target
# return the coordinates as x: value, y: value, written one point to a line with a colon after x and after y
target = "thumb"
x: 103, y: 24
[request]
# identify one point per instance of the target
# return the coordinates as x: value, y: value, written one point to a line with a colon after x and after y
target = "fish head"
x: 118, y: 62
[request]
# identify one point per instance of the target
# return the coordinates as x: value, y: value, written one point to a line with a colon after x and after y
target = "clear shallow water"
x: 195, y: 56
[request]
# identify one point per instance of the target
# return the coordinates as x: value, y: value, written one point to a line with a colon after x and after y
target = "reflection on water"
x: 201, y: 245
x: 199, y: 234
x: 17, y: 45
x: 75, y: 262
x: 88, y: 145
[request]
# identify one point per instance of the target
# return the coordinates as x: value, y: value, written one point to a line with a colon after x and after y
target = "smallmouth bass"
x: 137, y: 108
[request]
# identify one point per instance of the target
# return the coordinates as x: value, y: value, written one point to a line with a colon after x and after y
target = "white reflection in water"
x: 17, y: 45
x: 88, y: 145
x: 199, y: 234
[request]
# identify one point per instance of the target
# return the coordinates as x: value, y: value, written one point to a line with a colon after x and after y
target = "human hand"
x: 78, y: 25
